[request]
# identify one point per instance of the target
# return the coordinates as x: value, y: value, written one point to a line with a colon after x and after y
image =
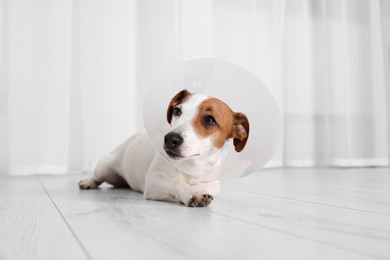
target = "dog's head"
x: 200, y: 127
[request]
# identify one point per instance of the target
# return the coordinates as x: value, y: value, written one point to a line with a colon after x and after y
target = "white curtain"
x: 73, y: 73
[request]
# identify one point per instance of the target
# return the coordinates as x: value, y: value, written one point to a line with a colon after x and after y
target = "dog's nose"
x: 173, y: 140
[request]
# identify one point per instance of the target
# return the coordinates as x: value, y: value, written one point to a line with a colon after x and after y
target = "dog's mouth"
x: 178, y: 156
x: 173, y: 155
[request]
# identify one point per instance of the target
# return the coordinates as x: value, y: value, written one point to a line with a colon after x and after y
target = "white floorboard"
x: 275, y: 214
x: 30, y: 225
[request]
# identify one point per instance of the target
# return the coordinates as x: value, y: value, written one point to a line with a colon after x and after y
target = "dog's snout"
x: 173, y: 140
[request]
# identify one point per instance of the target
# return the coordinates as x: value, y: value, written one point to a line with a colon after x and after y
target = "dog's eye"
x: 176, y: 111
x: 209, y: 120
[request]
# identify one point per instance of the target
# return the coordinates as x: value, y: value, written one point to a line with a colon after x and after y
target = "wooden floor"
x: 275, y: 214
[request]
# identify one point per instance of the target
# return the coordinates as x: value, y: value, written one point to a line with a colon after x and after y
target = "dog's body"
x: 200, y: 127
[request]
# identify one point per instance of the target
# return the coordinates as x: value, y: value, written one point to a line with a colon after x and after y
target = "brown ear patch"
x: 222, y: 116
x: 227, y: 124
x: 176, y: 100
x: 240, y: 131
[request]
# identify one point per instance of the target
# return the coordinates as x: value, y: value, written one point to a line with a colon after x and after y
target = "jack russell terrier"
x: 201, y: 125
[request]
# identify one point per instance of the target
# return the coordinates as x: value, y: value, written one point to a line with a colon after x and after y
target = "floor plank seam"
x: 307, y: 201
x: 306, y: 238
x: 87, y: 254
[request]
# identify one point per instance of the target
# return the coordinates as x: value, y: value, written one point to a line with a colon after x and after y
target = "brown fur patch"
x: 228, y: 124
x: 240, y: 131
x: 179, y: 98
x: 223, y: 116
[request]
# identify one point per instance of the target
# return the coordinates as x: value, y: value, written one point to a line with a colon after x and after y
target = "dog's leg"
x: 164, y: 182
x: 89, y: 184
x: 161, y: 186
x: 104, y: 172
x: 202, y: 194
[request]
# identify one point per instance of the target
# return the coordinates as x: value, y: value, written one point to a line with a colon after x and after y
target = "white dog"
x: 200, y: 127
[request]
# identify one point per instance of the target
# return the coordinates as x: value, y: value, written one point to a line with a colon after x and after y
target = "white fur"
x: 136, y: 163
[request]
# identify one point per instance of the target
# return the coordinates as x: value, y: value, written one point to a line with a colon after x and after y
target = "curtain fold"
x: 74, y: 73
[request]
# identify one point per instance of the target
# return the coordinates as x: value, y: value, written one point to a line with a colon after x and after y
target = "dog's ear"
x: 240, y: 131
x: 176, y: 100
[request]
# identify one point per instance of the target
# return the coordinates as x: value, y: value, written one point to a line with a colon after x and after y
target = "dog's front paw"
x: 88, y: 184
x: 200, y: 201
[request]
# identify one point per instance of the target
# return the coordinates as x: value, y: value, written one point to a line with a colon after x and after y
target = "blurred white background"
x: 73, y: 73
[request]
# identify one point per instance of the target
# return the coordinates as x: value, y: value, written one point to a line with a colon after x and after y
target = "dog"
x: 200, y: 126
